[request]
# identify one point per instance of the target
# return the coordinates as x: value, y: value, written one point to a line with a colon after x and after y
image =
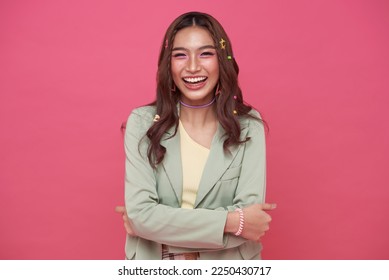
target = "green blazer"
x: 153, y: 196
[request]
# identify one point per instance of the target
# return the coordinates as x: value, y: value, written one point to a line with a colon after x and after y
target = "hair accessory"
x: 235, y: 112
x: 156, y: 118
x: 241, y: 221
x: 198, y: 106
x: 222, y: 44
x: 235, y: 97
x: 229, y: 57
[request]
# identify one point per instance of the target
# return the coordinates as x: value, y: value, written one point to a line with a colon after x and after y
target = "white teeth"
x: 195, y: 79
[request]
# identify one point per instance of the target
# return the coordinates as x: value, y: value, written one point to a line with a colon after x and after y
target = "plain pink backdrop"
x: 72, y: 71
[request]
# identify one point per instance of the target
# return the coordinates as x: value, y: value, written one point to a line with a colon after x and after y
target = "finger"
x: 125, y: 218
x: 128, y: 230
x: 120, y: 209
x: 268, y: 206
x: 259, y: 238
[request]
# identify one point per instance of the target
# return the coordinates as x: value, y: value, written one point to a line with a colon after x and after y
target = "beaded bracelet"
x: 241, y: 221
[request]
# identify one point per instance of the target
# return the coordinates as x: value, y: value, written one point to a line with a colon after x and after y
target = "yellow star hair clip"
x: 222, y: 44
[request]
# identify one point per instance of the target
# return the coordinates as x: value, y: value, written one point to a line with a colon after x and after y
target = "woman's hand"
x: 256, y: 221
x: 126, y: 221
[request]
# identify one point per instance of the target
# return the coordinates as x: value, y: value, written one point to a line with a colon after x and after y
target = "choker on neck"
x: 198, y: 106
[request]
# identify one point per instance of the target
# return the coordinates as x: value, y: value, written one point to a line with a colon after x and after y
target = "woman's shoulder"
x: 252, y: 117
x: 141, y: 118
x: 144, y: 111
x: 254, y: 113
x: 252, y: 121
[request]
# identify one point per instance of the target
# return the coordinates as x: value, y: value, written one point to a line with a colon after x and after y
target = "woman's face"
x: 194, y: 65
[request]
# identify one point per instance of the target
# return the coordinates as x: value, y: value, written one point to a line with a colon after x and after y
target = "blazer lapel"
x: 172, y: 161
x: 218, y: 161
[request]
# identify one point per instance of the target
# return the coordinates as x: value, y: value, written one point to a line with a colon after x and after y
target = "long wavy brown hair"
x: 229, y: 99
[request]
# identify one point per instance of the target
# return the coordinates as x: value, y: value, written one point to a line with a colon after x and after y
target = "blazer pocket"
x: 231, y: 173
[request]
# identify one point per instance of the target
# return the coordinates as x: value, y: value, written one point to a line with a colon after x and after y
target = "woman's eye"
x: 207, y: 54
x: 179, y: 55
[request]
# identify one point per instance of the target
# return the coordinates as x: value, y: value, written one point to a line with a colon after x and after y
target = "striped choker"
x: 198, y: 106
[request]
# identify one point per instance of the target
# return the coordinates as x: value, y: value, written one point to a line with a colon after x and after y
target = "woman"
x: 195, y: 158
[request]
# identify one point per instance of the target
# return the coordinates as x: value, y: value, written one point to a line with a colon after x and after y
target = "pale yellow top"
x: 193, y: 157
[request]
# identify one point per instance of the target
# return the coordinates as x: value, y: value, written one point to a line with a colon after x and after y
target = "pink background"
x: 71, y: 72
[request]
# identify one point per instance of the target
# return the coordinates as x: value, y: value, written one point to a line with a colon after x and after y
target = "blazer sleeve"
x: 251, y: 187
x: 190, y: 228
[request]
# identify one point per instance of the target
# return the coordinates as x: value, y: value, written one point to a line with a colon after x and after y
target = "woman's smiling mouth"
x: 194, y: 80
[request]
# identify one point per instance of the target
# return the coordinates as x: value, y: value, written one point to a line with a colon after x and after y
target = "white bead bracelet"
x: 241, y: 221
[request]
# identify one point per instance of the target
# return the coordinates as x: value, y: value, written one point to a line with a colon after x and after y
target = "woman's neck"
x: 198, y: 118
x: 200, y: 124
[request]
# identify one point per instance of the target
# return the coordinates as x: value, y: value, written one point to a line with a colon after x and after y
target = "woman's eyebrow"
x: 207, y: 47
x: 201, y: 48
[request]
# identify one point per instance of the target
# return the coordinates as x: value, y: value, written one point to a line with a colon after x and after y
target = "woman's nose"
x: 193, y: 64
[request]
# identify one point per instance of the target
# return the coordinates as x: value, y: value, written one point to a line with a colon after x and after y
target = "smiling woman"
x: 195, y: 157
x: 194, y: 65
